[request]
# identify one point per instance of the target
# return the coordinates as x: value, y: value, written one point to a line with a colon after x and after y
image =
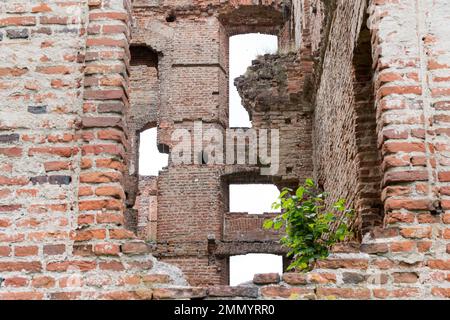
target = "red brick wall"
x: 64, y: 80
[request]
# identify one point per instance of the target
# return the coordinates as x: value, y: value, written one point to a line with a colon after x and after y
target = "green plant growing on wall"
x: 311, y: 229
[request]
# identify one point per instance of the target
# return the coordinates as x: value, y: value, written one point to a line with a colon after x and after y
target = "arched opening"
x: 243, y: 49
x: 244, y: 267
x: 151, y: 160
x: 144, y: 102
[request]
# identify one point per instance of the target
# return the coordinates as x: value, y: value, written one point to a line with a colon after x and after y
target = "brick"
x: 342, y: 263
x: 100, y: 177
x: 16, y: 282
x: 439, y: 264
x: 353, y: 278
x: 375, y: 248
x: 155, y: 278
x: 405, y: 277
x: 121, y: 234
x: 90, y: 122
x: 416, y: 232
x: 37, y: 109
x: 43, y: 282
x: 83, y: 250
x: 400, y: 90
x: 86, y: 235
x: 42, y: 7
x: 193, y: 292
x: 12, y: 72
x: 54, y: 249
x: 286, y: 292
x: 66, y: 152
x: 56, y: 166
x: 106, y: 249
x: 54, y: 70
x: 441, y: 292
x: 11, y: 152
x: 112, y: 134
x: 65, y: 295
x: 396, y: 293
x: 103, y: 94
x: 18, y: 21
x: 17, y: 34
x: 321, y: 278
x: 115, y: 192
x: 111, y: 265
x: 88, y: 205
x: 5, y: 251
x: 10, y: 208
x: 444, y: 176
x: 21, y: 295
x: 25, y: 251
x: 408, y: 204
x: 404, y: 246
x: 266, y: 278
x: 25, y: 266
x: 346, y: 293
x: 294, y: 278
x: 108, y: 16
x: 131, y: 248
x: 405, y: 176
x: 62, y: 266
x: 59, y: 20
x: 60, y: 180
x: 9, y: 138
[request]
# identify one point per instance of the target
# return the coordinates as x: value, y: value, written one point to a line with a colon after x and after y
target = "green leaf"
x: 310, y: 229
x: 277, y: 225
x: 268, y: 224
x: 299, y: 193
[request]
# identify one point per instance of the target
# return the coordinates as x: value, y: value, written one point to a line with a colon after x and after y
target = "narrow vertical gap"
x: 368, y: 204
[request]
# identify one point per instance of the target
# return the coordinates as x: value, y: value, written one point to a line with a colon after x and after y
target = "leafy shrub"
x: 310, y: 229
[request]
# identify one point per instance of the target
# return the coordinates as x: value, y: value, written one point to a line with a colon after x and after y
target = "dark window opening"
x: 143, y: 56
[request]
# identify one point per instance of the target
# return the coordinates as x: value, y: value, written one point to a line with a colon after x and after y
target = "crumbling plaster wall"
x: 64, y: 80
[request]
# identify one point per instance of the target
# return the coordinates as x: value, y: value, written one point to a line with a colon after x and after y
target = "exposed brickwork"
x: 64, y: 87
x: 368, y: 119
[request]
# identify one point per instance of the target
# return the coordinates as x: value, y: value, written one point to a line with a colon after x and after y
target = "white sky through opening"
x: 243, y: 49
x: 151, y: 161
x: 243, y: 268
x: 253, y: 198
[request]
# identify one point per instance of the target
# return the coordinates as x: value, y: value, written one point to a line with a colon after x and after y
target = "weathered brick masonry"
x: 359, y: 91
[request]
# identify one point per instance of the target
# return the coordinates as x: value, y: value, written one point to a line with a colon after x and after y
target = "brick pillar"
x: 412, y: 111
x: 62, y: 147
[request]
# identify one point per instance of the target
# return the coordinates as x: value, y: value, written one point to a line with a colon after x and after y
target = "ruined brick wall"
x: 192, y: 42
x: 272, y: 93
x: 146, y: 206
x: 334, y: 112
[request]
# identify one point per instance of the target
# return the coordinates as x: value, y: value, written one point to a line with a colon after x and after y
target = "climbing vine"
x: 311, y: 229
